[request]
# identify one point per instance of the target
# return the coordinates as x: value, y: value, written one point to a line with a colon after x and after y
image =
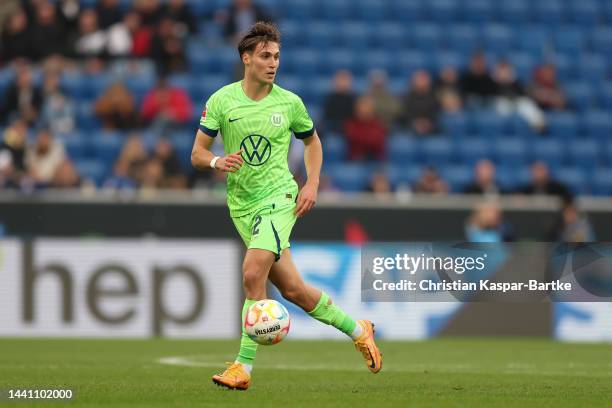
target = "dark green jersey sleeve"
x: 301, y: 123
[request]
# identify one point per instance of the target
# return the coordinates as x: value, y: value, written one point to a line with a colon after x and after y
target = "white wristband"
x: 214, y: 161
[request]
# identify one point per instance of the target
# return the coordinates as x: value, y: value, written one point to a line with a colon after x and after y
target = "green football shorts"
x: 269, y: 227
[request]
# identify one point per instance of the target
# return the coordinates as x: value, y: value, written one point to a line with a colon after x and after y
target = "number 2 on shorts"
x: 256, y: 226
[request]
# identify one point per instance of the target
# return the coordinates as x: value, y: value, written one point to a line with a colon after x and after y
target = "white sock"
x: 357, y: 332
x: 247, y: 367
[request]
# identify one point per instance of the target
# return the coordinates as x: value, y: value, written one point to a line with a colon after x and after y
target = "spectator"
x: 541, y: 183
x: 108, y: 13
x: 339, y: 104
x: 133, y: 156
x: 22, y: 98
x: 91, y: 42
x: 545, y: 89
x: 68, y: 12
x: 571, y: 226
x: 167, y: 48
x: 119, y: 41
x: 16, y: 39
x: 149, y: 11
x: 166, y: 106
x: 120, y: 179
x: 420, y: 107
x: 66, y: 176
x: 380, y: 185
x: 484, y: 174
x: 430, y: 182
x: 12, y: 155
x: 58, y: 113
x: 45, y: 157
x: 386, y: 105
x: 173, y: 176
x: 476, y: 84
x: 48, y: 34
x: 511, y: 97
x: 486, y: 224
x: 152, y: 176
x: 365, y: 133
x: 448, y: 90
x: 141, y: 35
x: 240, y: 15
x: 116, y: 108
x: 182, y: 15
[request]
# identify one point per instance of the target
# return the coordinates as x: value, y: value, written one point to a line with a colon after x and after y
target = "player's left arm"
x: 313, y: 159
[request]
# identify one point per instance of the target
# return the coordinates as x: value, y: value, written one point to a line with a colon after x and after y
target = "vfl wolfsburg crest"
x: 276, y: 119
x: 256, y: 149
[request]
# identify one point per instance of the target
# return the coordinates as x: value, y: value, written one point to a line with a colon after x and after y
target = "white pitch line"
x: 511, y: 369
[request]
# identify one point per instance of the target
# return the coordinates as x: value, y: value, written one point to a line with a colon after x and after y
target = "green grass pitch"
x: 437, y: 373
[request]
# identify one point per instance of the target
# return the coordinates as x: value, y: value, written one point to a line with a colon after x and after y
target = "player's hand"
x: 230, y: 163
x: 306, y: 199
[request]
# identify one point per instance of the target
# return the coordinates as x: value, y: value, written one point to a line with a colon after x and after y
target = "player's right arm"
x: 201, y: 156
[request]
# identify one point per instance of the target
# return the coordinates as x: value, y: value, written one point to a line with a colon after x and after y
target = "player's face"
x: 263, y: 63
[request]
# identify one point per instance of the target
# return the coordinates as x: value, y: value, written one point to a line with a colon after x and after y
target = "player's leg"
x: 285, y: 276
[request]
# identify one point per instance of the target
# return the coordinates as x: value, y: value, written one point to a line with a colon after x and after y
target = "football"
x: 267, y: 322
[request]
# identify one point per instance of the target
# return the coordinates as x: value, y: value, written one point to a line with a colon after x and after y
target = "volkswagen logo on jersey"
x: 256, y: 149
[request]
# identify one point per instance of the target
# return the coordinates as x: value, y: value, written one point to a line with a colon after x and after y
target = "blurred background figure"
x: 45, y: 157
x: 116, y: 108
x: 380, y: 185
x: 13, y: 155
x: 476, y: 83
x: 23, y: 98
x: 571, y: 225
x: 58, y: 110
x: 340, y: 102
x: 430, y: 182
x: 172, y: 176
x: 166, y: 107
x: 66, y: 176
x: 486, y: 224
x: 239, y: 16
x: 484, y: 175
x: 387, y: 106
x: 420, y: 106
x: 545, y: 88
x: 16, y: 38
x: 365, y: 133
x: 541, y: 183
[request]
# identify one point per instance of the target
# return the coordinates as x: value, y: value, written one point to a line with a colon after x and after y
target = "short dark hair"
x: 259, y: 32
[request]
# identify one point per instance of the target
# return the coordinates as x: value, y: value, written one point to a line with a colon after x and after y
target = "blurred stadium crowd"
x: 433, y: 96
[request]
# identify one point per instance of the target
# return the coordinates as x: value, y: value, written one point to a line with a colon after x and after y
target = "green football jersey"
x: 262, y: 129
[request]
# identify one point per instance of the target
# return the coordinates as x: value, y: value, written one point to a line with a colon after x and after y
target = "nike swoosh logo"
x: 233, y: 120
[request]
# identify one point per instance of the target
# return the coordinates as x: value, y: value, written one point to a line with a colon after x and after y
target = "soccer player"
x: 256, y: 119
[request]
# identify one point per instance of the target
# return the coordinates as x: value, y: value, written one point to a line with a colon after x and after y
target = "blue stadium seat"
x: 355, y: 35
x: 471, y: 150
x: 584, y: 152
x: 580, y: 95
x: 463, y: 39
x: 371, y: 10
x: 533, y: 39
x: 458, y: 176
x: 524, y: 63
x: 574, y: 177
x: 402, y: 149
x: 350, y: 177
x: 510, y: 151
x: 549, y: 12
x: 436, y: 149
x: 408, y: 11
x: 403, y: 175
x: 299, y: 10
x: 106, y: 145
x: 585, y: 13
x: 512, y: 176
x: 338, y: 10
x: 550, y: 151
x: 489, y: 123
x: 208, y: 84
x: 337, y: 60
x: 443, y: 11
x: 305, y: 62
x: 601, y: 39
x: 322, y: 35
x: 569, y: 40
x: 598, y: 125
x: 139, y: 85
x: 565, y: 66
x: 293, y: 34
x: 91, y: 169
x: 334, y: 148
x: 76, y: 145
x: 182, y: 142
x: 85, y: 116
x: 456, y: 124
x: 442, y: 59
x: 562, y: 125
x: 601, y: 181
x: 391, y: 36
x: 477, y: 11
x: 513, y: 12
x: 406, y: 62
x: 498, y: 38
x: 73, y: 84
x: 378, y: 60
x: 427, y: 37
x: 607, y: 152
x: 604, y: 96
x: 592, y: 67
